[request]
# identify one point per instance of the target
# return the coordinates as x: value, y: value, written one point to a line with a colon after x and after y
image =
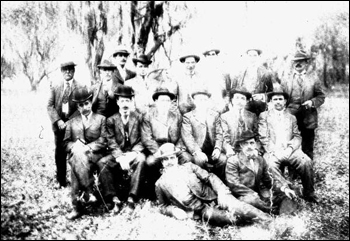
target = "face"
x: 169, y: 161
x: 141, y: 69
x: 190, y: 64
x: 201, y: 101
x: 106, y: 77
x: 249, y: 147
x: 120, y: 59
x: 253, y: 56
x: 239, y: 101
x: 124, y: 104
x: 300, y: 65
x: 68, y: 72
x: 85, y: 107
x: 163, y: 103
x: 278, y: 102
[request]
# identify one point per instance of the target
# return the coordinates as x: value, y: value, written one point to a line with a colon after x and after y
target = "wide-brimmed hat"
x: 242, y: 91
x: 120, y: 49
x: 300, y: 55
x: 162, y: 91
x: 277, y: 90
x: 246, y: 135
x: 217, y: 51
x: 196, y: 57
x: 106, y: 64
x: 167, y: 149
x: 142, y: 59
x: 202, y: 91
x: 66, y: 64
x: 81, y: 94
x: 124, y: 91
x: 259, y: 51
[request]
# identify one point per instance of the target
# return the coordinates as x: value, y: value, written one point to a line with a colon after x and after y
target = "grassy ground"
x: 32, y: 209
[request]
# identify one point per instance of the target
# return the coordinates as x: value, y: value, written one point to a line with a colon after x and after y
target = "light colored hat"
x: 167, y: 149
x: 202, y: 91
x: 259, y: 51
x: 299, y: 55
x: 106, y: 65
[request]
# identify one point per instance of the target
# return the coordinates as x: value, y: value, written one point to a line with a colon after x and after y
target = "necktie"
x: 66, y: 94
x: 300, y: 80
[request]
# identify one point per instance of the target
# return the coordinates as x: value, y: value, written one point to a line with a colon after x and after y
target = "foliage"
x: 32, y: 209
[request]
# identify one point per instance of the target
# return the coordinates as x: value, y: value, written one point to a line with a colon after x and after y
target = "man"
x: 126, y: 158
x: 103, y: 101
x: 249, y: 179
x: 188, y: 191
x: 201, y: 134
x: 281, y: 140
x: 121, y: 74
x: 237, y: 120
x: 85, y: 140
x: 188, y: 81
x: 306, y: 94
x: 61, y: 108
x: 143, y: 95
x: 256, y: 79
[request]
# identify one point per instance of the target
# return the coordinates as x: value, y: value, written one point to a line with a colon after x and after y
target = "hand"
x: 216, y: 154
x: 224, y: 198
x: 124, y: 162
x: 307, y: 104
x: 200, y: 157
x: 230, y: 152
x: 290, y: 193
x: 179, y: 213
x: 61, y: 125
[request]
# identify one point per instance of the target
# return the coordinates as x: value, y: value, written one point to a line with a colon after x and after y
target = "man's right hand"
x: 61, y: 125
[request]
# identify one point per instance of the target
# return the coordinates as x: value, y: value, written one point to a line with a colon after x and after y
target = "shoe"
x: 74, y: 215
x: 58, y: 186
x: 311, y: 199
x: 92, y: 199
x: 131, y: 202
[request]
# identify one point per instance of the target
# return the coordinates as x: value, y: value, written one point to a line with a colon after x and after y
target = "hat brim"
x: 82, y: 100
x: 270, y: 94
x: 168, y: 154
x: 124, y: 95
x: 301, y: 58
x: 246, y: 94
x: 208, y: 51
x: 201, y: 93
x: 157, y: 94
x: 120, y: 52
x: 257, y: 50
x: 240, y: 140
x: 68, y: 64
x: 135, y: 61
x: 106, y: 67
x: 197, y: 58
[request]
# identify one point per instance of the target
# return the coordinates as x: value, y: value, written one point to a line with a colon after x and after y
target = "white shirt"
x: 86, y: 119
x: 122, y: 71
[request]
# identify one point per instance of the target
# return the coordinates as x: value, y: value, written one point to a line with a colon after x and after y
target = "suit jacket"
x: 116, y: 133
x: 154, y: 133
x: 243, y: 179
x: 313, y: 90
x: 269, y: 126
x: 54, y: 105
x: 102, y: 104
x: 94, y: 134
x: 118, y: 79
x: 230, y: 127
x: 193, y: 131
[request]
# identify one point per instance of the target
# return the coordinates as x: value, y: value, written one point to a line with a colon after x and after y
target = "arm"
x: 113, y: 146
x: 263, y: 131
x: 218, y: 133
x: 187, y: 137
x: 53, y: 115
x: 101, y: 142
x: 319, y: 94
x: 227, y: 137
x: 295, y: 142
x: 138, y: 147
x: 146, y: 135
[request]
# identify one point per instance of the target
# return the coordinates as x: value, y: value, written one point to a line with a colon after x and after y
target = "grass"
x: 32, y: 209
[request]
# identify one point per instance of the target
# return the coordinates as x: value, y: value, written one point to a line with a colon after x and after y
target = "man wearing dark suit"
x: 61, y: 108
x: 85, y: 141
x: 306, y: 94
x: 121, y: 74
x: 103, y: 101
x: 126, y: 158
x: 249, y: 178
x: 201, y: 134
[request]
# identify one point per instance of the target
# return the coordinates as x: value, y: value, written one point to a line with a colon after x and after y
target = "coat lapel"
x: 132, y: 120
x: 78, y: 127
x: 120, y: 124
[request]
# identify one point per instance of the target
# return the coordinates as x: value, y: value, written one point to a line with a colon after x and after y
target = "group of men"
x: 205, y: 148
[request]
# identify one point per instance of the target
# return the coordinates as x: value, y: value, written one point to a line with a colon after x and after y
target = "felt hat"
x: 217, y: 51
x: 81, y: 94
x: 106, y: 65
x: 67, y: 64
x: 202, y: 91
x: 167, y: 149
x: 300, y: 55
x: 142, y: 59
x: 259, y: 51
x: 183, y: 58
x: 246, y: 135
x: 242, y: 91
x: 277, y: 90
x: 162, y: 91
x: 121, y: 49
x: 124, y: 91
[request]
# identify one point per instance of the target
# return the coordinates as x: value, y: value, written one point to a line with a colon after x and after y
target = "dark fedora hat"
x: 124, y: 91
x: 202, y: 91
x: 196, y: 57
x: 162, y: 91
x: 81, y: 94
x: 167, y: 149
x: 142, y: 59
x: 67, y: 64
x: 241, y: 91
x: 301, y: 55
x: 120, y: 50
x: 106, y: 64
x: 217, y: 51
x: 277, y: 90
x: 246, y: 135
x: 259, y: 51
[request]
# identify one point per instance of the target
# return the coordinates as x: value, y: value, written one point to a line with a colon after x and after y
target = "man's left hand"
x: 307, y: 104
x: 216, y: 154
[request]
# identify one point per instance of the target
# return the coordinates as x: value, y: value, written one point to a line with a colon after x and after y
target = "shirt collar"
x: 70, y: 83
x: 86, y: 118
x: 300, y: 74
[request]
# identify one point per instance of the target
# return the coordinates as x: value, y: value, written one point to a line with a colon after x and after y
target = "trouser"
x: 302, y: 165
x: 307, y: 143
x: 60, y: 158
x: 113, y: 179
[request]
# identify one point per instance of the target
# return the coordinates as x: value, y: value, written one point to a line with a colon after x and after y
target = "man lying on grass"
x: 188, y: 191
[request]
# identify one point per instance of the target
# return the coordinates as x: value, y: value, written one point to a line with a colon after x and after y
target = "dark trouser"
x: 60, y: 158
x: 307, y: 143
x: 113, y: 179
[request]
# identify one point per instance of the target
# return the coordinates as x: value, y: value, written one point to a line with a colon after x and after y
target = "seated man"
x: 201, y: 134
x: 85, y: 142
x: 126, y: 159
x: 249, y: 179
x: 280, y: 137
x: 186, y: 191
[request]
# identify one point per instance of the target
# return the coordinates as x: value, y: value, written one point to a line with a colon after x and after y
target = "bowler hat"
x: 202, y: 91
x: 66, y: 64
x: 259, y: 51
x: 124, y: 91
x: 242, y: 91
x: 277, y: 90
x: 196, y: 57
x: 246, y: 135
x: 81, y: 94
x: 300, y: 54
x: 106, y: 65
x: 167, y: 149
x: 217, y: 51
x: 162, y: 91
x: 122, y: 50
x: 142, y: 59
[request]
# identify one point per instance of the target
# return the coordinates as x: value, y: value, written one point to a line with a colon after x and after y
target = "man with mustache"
x: 121, y: 74
x: 85, y: 141
x: 306, y: 94
x: 125, y: 162
x: 61, y: 108
x: 281, y: 140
